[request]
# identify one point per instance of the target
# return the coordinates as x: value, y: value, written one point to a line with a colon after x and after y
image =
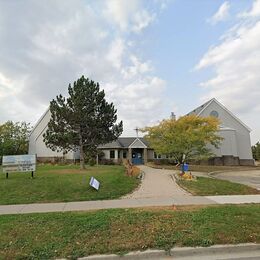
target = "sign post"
x: 19, y: 163
x: 94, y: 183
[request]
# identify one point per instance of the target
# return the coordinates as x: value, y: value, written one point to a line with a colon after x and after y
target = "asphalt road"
x: 250, y: 178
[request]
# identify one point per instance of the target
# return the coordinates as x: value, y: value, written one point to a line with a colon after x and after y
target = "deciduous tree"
x: 82, y: 121
x: 188, y: 137
x: 256, y: 151
x: 14, y: 138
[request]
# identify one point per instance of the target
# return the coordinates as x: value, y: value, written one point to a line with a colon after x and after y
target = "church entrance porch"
x: 137, y: 156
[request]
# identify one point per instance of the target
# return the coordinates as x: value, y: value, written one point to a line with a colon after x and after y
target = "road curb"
x: 179, y: 252
x: 130, y: 256
x: 224, y: 249
x: 176, y: 178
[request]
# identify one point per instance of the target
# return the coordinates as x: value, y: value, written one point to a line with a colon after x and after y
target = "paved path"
x: 250, y: 178
x: 127, y: 203
x: 157, y: 183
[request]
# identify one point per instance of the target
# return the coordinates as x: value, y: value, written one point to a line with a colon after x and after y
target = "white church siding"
x: 228, y: 144
x: 239, y: 142
x: 37, y: 145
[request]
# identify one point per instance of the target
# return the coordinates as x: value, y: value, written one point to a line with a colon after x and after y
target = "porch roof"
x: 123, y: 142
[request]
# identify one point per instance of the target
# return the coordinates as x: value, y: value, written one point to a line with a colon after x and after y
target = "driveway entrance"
x: 250, y: 178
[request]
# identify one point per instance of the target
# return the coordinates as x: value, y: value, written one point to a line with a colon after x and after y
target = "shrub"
x: 163, y: 161
x: 107, y: 162
x: 91, y: 162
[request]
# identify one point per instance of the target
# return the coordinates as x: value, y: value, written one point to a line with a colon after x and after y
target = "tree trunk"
x: 63, y: 157
x: 81, y: 153
x: 97, y: 159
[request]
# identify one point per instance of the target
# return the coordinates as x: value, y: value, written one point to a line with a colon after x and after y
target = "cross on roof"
x: 137, y: 130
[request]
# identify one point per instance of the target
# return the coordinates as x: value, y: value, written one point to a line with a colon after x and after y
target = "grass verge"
x: 65, y: 183
x: 204, y: 186
x: 77, y: 234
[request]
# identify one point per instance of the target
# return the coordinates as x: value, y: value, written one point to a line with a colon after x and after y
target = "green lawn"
x: 78, y: 234
x: 204, y: 186
x: 65, y: 183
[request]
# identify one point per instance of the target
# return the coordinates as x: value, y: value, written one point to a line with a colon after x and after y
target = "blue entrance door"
x: 137, y: 157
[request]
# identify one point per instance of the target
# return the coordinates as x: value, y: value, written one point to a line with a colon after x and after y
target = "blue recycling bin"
x: 185, y: 167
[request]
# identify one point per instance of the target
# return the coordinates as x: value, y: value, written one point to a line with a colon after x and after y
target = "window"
x: 214, y: 113
x: 157, y: 156
x: 124, y: 154
x: 112, y: 154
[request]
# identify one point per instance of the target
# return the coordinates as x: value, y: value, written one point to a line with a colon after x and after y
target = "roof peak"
x: 197, y: 111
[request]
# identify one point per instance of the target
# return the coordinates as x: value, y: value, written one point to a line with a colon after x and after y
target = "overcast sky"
x: 151, y: 56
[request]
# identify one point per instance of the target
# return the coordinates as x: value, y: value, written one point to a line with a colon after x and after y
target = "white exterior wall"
x: 106, y: 154
x: 36, y: 143
x: 239, y: 142
x: 228, y: 145
x: 116, y: 154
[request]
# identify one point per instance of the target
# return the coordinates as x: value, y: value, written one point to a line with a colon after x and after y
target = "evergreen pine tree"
x: 82, y: 121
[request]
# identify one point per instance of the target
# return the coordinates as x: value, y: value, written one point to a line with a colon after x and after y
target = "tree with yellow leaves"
x: 185, y: 138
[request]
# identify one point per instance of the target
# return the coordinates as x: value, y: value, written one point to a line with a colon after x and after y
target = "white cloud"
x: 139, y: 101
x: 236, y: 62
x: 141, y: 20
x: 254, y: 12
x: 57, y: 42
x: 221, y: 14
x: 115, y: 52
x: 137, y: 67
x: 128, y: 15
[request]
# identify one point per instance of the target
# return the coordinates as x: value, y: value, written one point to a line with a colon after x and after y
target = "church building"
x: 235, y: 149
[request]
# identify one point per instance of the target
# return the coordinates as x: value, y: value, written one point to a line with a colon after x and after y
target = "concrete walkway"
x: 157, y: 183
x: 127, y: 203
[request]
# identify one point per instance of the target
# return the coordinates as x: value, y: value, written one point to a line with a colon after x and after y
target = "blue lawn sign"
x: 94, y: 183
x: 185, y: 167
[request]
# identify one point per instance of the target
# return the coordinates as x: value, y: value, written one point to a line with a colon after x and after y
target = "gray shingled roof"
x: 123, y: 142
x: 197, y: 110
x: 114, y: 144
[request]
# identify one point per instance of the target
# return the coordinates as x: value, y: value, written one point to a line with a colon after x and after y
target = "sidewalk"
x: 127, y: 203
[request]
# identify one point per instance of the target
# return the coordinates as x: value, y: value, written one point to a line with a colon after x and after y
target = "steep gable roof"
x: 198, y: 111
x: 39, y: 121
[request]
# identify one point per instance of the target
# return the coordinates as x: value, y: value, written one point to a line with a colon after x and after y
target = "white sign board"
x: 94, y: 183
x: 19, y: 163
